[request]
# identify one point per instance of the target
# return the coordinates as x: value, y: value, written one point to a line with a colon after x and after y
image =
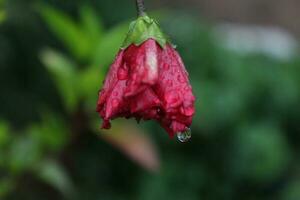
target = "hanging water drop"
x: 185, y: 135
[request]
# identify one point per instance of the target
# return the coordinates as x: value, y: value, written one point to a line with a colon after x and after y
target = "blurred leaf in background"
x: 88, y: 43
x: 64, y: 74
x: 134, y: 143
x: 69, y: 32
x: 292, y: 191
x: 4, y: 133
x: 26, y: 153
x: 6, y: 186
x: 2, y: 11
x: 259, y: 153
x: 55, y: 175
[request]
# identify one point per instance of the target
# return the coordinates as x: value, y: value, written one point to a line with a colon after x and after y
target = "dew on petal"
x: 181, y: 110
x: 170, y: 83
x: 189, y: 111
x: 166, y: 66
x: 122, y: 74
x: 181, y: 79
x: 115, y: 93
x: 187, y: 88
x: 184, y: 136
x: 134, y: 77
x: 171, y: 97
x: 115, y: 102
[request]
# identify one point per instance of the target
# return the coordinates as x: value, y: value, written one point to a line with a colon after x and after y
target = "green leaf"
x: 2, y: 15
x: 143, y: 29
x: 4, y: 133
x: 55, y: 175
x: 70, y: 33
x: 92, y: 27
x: 52, y: 132
x: 24, y: 153
x: 6, y: 186
x: 64, y: 75
x: 109, y: 46
x: 91, y: 80
x: 260, y: 152
x: 5, y: 138
x: 291, y: 190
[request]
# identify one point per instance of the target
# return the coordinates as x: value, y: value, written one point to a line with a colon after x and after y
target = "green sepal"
x: 142, y: 29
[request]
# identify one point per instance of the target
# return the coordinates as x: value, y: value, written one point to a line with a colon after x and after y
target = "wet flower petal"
x: 147, y: 82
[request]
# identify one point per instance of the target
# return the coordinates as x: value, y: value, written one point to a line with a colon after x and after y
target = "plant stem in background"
x: 140, y: 7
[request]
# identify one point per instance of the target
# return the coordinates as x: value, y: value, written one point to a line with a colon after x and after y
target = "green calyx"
x: 143, y: 29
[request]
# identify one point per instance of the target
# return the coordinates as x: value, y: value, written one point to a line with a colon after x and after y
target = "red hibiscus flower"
x: 147, y: 81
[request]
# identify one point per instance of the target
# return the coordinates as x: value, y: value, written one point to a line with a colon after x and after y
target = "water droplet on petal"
x: 122, y: 74
x: 189, y: 111
x: 115, y: 93
x: 134, y: 77
x: 170, y: 83
x: 115, y: 102
x: 166, y: 66
x: 172, y: 98
x: 184, y: 136
x: 180, y: 79
x: 187, y: 88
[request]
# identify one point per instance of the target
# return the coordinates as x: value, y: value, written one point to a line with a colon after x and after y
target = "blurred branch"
x: 140, y: 5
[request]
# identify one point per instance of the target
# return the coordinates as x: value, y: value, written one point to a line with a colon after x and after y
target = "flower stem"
x: 140, y: 6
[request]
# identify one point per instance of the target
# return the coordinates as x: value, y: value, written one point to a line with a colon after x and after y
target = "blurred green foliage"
x: 245, y: 140
x: 87, y: 43
x: 2, y: 11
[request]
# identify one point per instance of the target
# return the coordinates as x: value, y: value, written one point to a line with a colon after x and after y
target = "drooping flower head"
x: 148, y: 81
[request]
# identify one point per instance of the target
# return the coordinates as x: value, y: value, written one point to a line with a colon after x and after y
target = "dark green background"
x: 53, y: 57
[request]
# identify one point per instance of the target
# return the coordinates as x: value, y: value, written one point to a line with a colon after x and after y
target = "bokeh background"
x: 244, y: 66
